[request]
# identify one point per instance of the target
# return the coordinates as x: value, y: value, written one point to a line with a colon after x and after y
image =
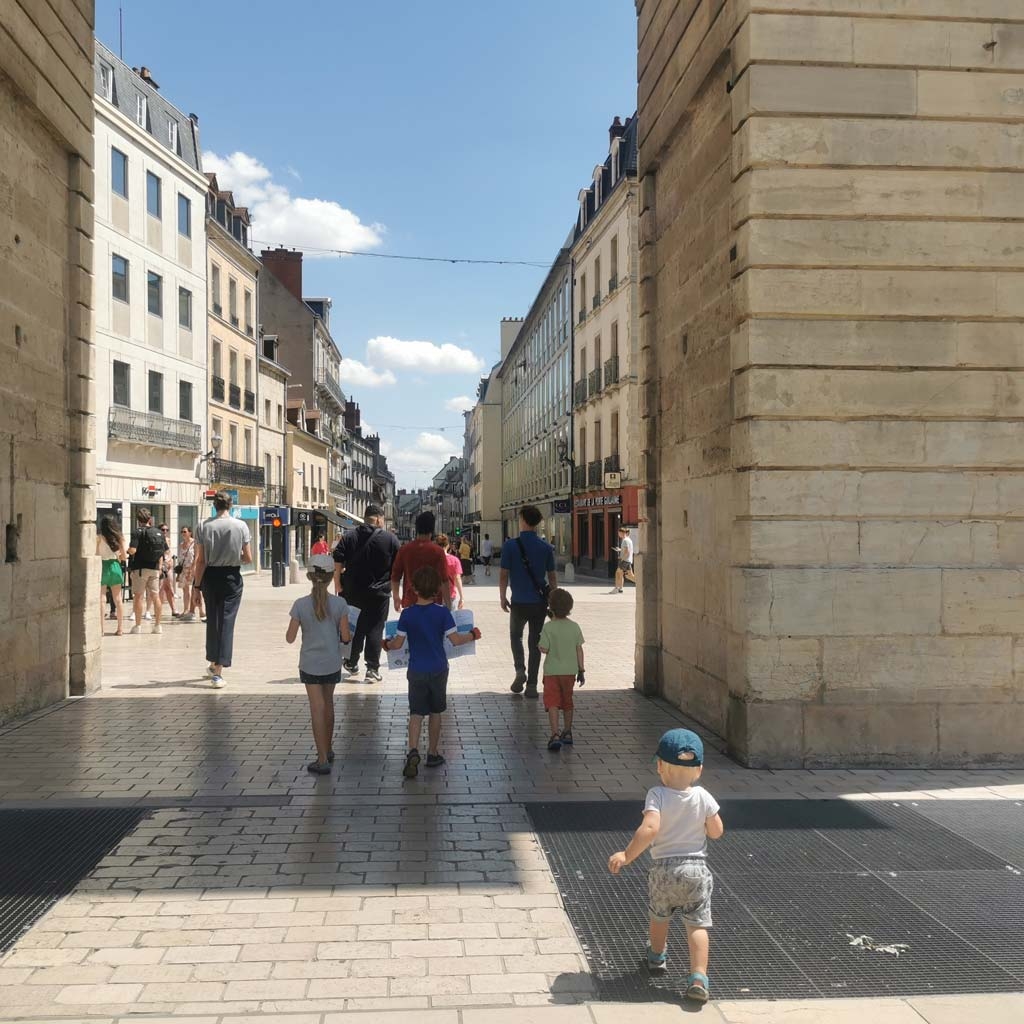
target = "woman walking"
x: 222, y: 546
x: 110, y: 547
x: 191, y: 595
x: 323, y: 619
x: 167, y: 572
x: 453, y: 592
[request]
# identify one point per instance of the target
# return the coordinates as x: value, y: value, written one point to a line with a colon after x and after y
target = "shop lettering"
x: 601, y: 501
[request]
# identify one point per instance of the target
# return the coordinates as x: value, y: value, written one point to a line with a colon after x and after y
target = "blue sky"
x: 460, y: 128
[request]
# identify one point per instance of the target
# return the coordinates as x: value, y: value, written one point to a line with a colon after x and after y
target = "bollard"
x: 278, y: 574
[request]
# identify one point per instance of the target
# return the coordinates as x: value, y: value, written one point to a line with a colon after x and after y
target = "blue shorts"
x: 428, y: 692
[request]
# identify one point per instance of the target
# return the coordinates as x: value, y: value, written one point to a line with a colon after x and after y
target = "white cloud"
x: 460, y: 404
x: 359, y: 375
x: 429, y: 453
x: 424, y: 356
x: 279, y: 218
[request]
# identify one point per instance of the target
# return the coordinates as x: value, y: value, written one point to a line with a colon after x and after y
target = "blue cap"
x: 682, y: 747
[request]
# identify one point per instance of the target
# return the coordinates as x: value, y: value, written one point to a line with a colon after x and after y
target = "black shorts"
x: 625, y: 566
x: 485, y: 559
x: 428, y: 692
x: 313, y: 680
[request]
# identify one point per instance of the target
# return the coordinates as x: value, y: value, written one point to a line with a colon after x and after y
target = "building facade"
x: 49, y: 576
x: 483, y: 460
x: 233, y: 275
x: 408, y: 505
x: 832, y: 311
x: 606, y: 352
x: 272, y: 400
x: 447, y: 497
x: 307, y: 463
x: 360, y: 456
x: 150, y: 299
x: 536, y: 377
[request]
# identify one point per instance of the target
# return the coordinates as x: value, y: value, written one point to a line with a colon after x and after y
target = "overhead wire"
x: 312, y: 251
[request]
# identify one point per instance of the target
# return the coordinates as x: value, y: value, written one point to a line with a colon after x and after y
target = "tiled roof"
x: 628, y: 160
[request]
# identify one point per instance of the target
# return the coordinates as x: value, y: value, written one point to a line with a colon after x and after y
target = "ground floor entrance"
x: 597, y: 517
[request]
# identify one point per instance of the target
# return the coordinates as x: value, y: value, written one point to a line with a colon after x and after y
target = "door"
x: 598, y: 550
x: 614, y: 522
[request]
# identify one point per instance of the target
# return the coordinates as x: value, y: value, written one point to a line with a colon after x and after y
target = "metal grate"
x: 793, y: 880
x: 45, y: 854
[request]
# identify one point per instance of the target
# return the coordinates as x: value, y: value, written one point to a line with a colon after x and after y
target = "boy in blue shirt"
x: 425, y: 625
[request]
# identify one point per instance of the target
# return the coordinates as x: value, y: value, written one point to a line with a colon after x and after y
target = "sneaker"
x: 316, y: 768
x: 135, y: 629
x: 554, y: 743
x: 434, y: 760
x: 520, y: 683
x: 412, y: 764
x: 218, y: 682
x: 188, y: 617
x: 148, y: 616
x: 372, y: 676
x: 351, y: 667
x: 158, y: 628
x: 531, y: 692
x: 566, y: 738
x: 657, y: 963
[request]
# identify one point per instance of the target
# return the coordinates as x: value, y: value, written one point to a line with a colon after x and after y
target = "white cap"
x: 325, y: 562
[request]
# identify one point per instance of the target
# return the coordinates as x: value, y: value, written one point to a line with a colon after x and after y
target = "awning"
x: 342, y: 517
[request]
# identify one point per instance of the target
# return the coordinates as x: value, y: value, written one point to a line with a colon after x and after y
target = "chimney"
x: 352, y: 417
x: 286, y: 266
x: 145, y: 75
x: 616, y: 131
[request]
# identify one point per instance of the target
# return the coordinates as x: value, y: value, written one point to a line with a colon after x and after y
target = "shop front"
x: 250, y: 517
x: 597, y: 518
x: 275, y: 523
x: 555, y: 527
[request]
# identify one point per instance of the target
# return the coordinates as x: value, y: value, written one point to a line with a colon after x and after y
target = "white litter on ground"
x: 865, y: 942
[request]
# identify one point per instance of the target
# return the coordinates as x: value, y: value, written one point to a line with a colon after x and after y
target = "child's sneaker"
x: 566, y: 738
x: 555, y: 743
x: 657, y: 963
x: 435, y: 760
x: 412, y: 764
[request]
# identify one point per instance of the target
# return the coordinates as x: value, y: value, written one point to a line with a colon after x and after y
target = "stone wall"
x: 49, y: 576
x: 832, y: 303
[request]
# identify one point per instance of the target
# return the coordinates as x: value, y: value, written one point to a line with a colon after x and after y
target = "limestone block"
x: 856, y: 392
x: 990, y: 344
x: 1018, y: 666
x: 859, y: 443
x: 40, y: 461
x: 862, y: 142
x: 893, y: 42
x: 799, y: 39
x: 981, y: 735
x: 1001, y: 9
x: 928, y: 543
x: 712, y: 647
x: 842, y: 192
x: 917, y: 669
x: 774, y: 668
x: 982, y: 601
x: 766, y: 735
x: 805, y: 89
x: 804, y: 542
x: 1010, y: 293
x: 841, y: 602
x: 1009, y: 50
x: 961, y: 94
x: 1010, y: 544
x: 844, y: 243
x: 892, y: 734
x: 974, y: 444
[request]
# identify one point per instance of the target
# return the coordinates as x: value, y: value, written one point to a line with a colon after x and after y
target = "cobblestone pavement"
x: 255, y: 888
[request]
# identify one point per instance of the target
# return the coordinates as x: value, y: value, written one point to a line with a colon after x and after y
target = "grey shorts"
x: 681, y: 884
x: 428, y: 692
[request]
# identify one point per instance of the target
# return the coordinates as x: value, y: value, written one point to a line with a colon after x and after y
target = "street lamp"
x: 210, y: 456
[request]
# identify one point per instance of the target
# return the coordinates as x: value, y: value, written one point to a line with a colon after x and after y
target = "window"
x: 106, y: 81
x: 172, y: 135
x: 122, y: 384
x: 615, y: 258
x: 583, y: 294
x: 615, y: 339
x: 155, y: 293
x: 233, y: 442
x: 232, y: 367
x: 119, y: 270
x: 248, y: 312
x: 184, y: 216
x: 140, y: 110
x: 156, y: 392
x: 597, y: 352
x: 280, y: 417
x: 266, y: 411
x: 216, y: 359
x: 215, y: 287
x: 597, y: 441
x: 266, y: 469
x: 248, y: 375
x: 597, y: 279
x: 153, y: 198
x: 583, y: 445
x: 185, y: 400
x: 248, y: 447
x: 185, y: 308
x: 233, y: 300
x: 119, y: 172
x: 218, y: 432
x: 280, y: 469
x: 614, y: 439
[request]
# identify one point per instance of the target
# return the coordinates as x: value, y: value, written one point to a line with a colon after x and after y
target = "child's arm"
x: 293, y: 630
x: 458, y: 639
x: 346, y: 632
x: 642, y: 839
x: 580, y: 677
x: 396, y: 643
x: 714, y: 827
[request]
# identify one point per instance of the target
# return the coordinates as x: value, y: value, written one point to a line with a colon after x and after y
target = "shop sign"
x: 271, y: 512
x: 561, y: 506
x: 599, y: 501
x: 239, y: 512
x: 302, y: 516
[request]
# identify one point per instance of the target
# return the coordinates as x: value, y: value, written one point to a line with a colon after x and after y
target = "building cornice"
x: 225, y: 243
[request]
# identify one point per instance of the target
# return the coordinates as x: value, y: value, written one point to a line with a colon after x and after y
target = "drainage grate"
x: 792, y: 880
x: 44, y: 854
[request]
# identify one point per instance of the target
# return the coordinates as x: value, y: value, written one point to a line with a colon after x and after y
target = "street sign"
x: 612, y: 481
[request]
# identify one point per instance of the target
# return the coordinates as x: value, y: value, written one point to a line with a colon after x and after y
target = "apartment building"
x: 271, y: 401
x: 307, y: 461
x: 606, y: 335
x: 150, y: 299
x: 359, y: 462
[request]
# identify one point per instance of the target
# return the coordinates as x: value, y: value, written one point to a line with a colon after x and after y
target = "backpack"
x: 151, y: 546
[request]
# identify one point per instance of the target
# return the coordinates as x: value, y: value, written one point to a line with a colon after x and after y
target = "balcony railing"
x: 242, y: 473
x: 323, y: 496
x: 217, y: 308
x: 583, y: 315
x: 611, y: 371
x: 305, y: 495
x: 331, y: 386
x: 476, y: 478
x: 336, y: 486
x: 611, y: 464
x: 234, y: 396
x: 234, y: 321
x: 579, y: 477
x: 596, y: 301
x: 594, y: 382
x: 613, y: 283
x: 151, y: 428
x: 580, y: 392
x: 348, y: 482
x: 595, y: 473
x: 248, y: 329
x: 274, y: 494
x: 217, y: 389
x: 250, y: 401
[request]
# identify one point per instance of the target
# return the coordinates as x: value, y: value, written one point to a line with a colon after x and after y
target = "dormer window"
x: 140, y: 110
x: 172, y: 135
x: 106, y: 81
x: 615, y: 160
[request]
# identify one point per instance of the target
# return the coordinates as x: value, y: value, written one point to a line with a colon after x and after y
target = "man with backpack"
x: 363, y: 559
x: 528, y: 562
x: 146, y: 552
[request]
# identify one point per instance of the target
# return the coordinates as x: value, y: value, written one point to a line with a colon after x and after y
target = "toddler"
x: 561, y: 642
x: 323, y: 619
x: 679, y: 817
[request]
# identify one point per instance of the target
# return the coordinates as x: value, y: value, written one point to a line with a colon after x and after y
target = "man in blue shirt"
x: 529, y: 564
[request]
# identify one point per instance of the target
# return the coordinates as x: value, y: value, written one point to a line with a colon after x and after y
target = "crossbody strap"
x: 529, y: 569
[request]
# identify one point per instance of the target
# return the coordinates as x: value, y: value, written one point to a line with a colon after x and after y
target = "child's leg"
x: 318, y: 718
x: 567, y: 716
x: 553, y: 720
x: 328, y: 692
x: 659, y: 935
x: 415, y: 728
x: 699, y: 944
x: 433, y: 733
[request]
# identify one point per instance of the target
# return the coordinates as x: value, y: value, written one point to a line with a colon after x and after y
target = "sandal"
x: 330, y: 757
x: 697, y: 987
x: 316, y: 768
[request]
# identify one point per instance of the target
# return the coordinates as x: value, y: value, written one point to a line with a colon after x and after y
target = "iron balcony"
x: 150, y: 428
x: 594, y: 382
x: 611, y: 371
x: 274, y: 494
x: 234, y: 396
x: 580, y: 392
x: 611, y: 464
x: 595, y: 473
x: 227, y: 472
x: 579, y: 477
x: 336, y: 486
x: 250, y: 401
x: 217, y: 389
x: 327, y: 383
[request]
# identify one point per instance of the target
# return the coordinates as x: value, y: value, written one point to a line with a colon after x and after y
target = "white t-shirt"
x: 683, y: 816
x: 320, y: 654
x: 626, y: 549
x: 487, y: 548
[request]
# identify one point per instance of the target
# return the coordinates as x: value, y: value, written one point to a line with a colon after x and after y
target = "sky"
x: 459, y: 128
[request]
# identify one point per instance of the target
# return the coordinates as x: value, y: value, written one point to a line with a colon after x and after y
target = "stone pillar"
x: 838, y: 301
